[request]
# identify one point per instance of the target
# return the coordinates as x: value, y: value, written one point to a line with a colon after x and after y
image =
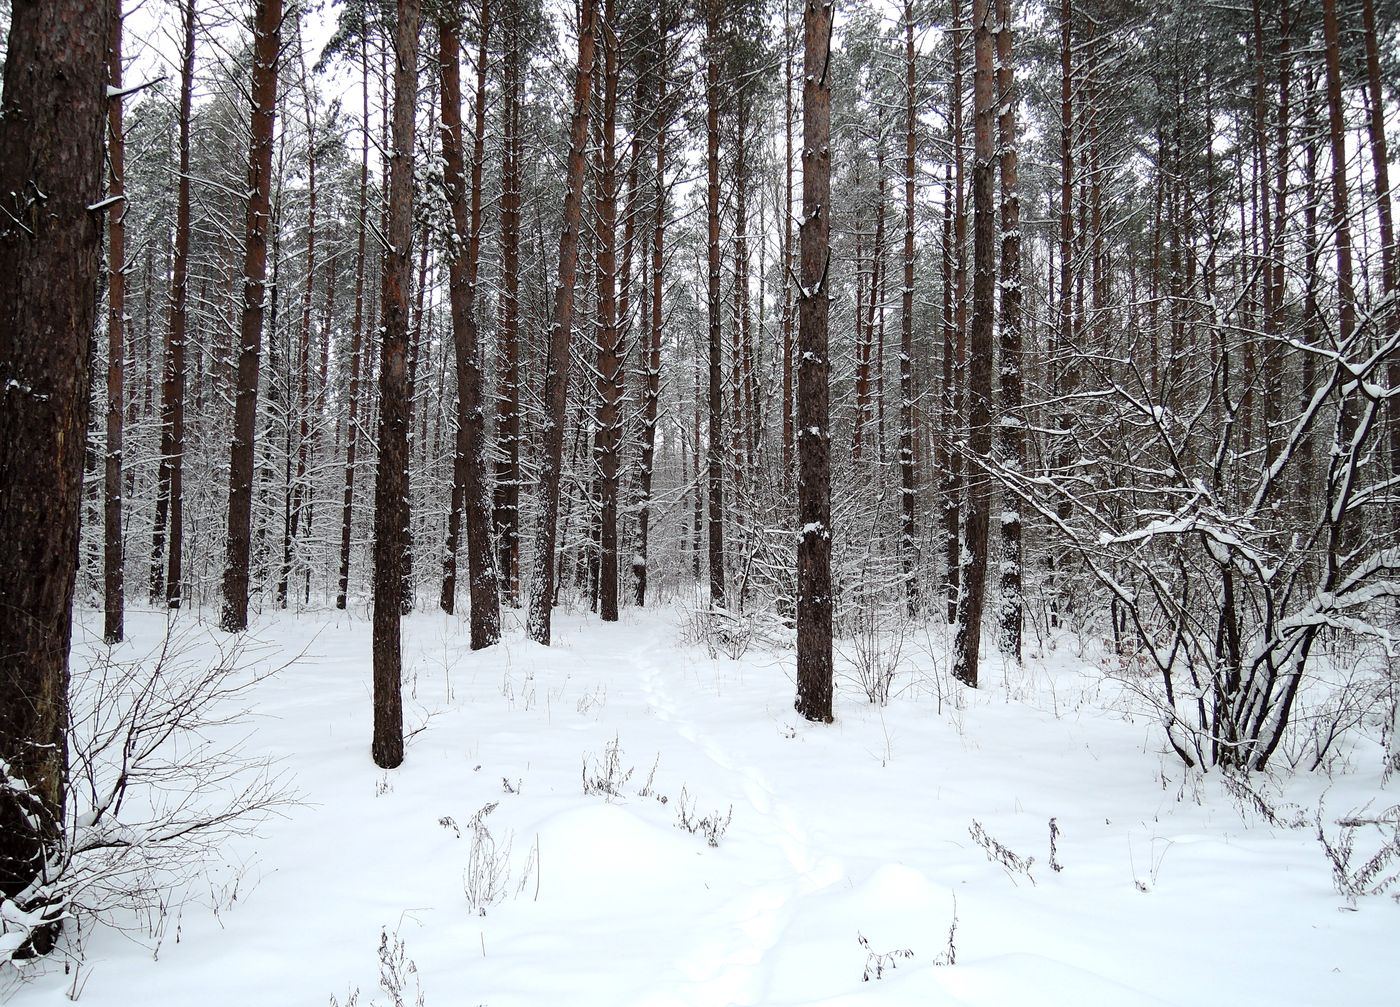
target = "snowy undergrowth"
x: 924, y: 825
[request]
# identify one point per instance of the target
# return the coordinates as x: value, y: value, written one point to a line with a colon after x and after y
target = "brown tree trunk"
x: 789, y: 449
x: 610, y: 349
x: 51, y: 128
x: 167, y: 573
x: 1063, y: 368
x: 908, y: 544
x: 267, y: 38
x: 715, y: 447
x: 469, y: 489
x: 651, y: 399
x: 814, y: 601
x: 1341, y: 229
x: 1013, y: 424
x: 391, y: 514
x: 557, y: 366
x: 297, y: 489
x: 955, y: 412
x: 113, y: 591
x: 1390, y: 257
x: 357, y: 334
x: 967, y: 639
x: 506, y: 503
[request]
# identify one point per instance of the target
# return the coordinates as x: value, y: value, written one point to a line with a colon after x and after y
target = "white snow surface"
x: 1170, y: 892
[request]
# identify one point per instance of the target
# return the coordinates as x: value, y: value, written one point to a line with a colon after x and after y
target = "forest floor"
x: 847, y: 866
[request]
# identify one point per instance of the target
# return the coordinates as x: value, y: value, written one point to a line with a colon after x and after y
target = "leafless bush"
x: 721, y: 632
x: 152, y: 795
x: 487, y: 874
x: 605, y: 775
x: 878, y: 962
x: 397, y: 972
x: 875, y: 650
x: 999, y: 854
x: 711, y: 826
x: 1352, y: 878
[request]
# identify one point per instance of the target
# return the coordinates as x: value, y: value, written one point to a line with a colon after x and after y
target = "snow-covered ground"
x: 846, y: 845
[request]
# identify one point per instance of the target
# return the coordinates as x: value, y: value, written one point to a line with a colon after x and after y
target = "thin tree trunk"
x: 267, y: 38
x: 651, y: 400
x: 557, y: 367
x: 967, y: 639
x: 715, y: 447
x: 167, y: 573
x: 506, y: 503
x: 1390, y: 257
x: 814, y: 601
x: 471, y: 427
x: 296, y: 496
x: 357, y: 334
x: 51, y: 130
x: 610, y: 349
x: 789, y: 450
x: 1013, y: 425
x: 1063, y: 368
x: 113, y: 602
x: 908, y: 545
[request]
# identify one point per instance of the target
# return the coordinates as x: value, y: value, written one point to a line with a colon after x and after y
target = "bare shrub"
x: 711, y: 826
x: 153, y: 796
x: 999, y: 854
x: 1353, y: 877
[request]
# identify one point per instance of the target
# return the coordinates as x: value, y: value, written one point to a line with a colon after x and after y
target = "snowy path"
x: 730, y: 970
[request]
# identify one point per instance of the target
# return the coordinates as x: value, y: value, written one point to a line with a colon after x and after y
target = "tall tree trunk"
x: 1063, y: 367
x: 357, y: 334
x: 1341, y: 230
x: 51, y: 127
x: 651, y: 398
x: 557, y: 367
x: 267, y: 39
x: 391, y: 514
x: 113, y: 602
x: 1013, y: 424
x: 610, y: 349
x: 789, y: 449
x: 715, y: 447
x: 470, y: 455
x: 967, y: 639
x: 167, y: 572
x: 814, y: 601
x: 1390, y: 256
x: 956, y: 411
x: 908, y: 543
x: 297, y: 489
x: 506, y: 503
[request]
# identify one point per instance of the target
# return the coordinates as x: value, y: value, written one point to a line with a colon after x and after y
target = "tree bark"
x: 557, y: 367
x: 1012, y: 427
x: 51, y: 128
x: 1390, y: 257
x: 715, y: 448
x: 391, y: 513
x: 968, y: 636
x: 167, y: 571
x: 462, y: 263
x: 610, y: 346
x: 267, y: 38
x: 651, y: 399
x: 814, y: 601
x: 908, y: 542
x: 113, y: 602
x: 506, y: 502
